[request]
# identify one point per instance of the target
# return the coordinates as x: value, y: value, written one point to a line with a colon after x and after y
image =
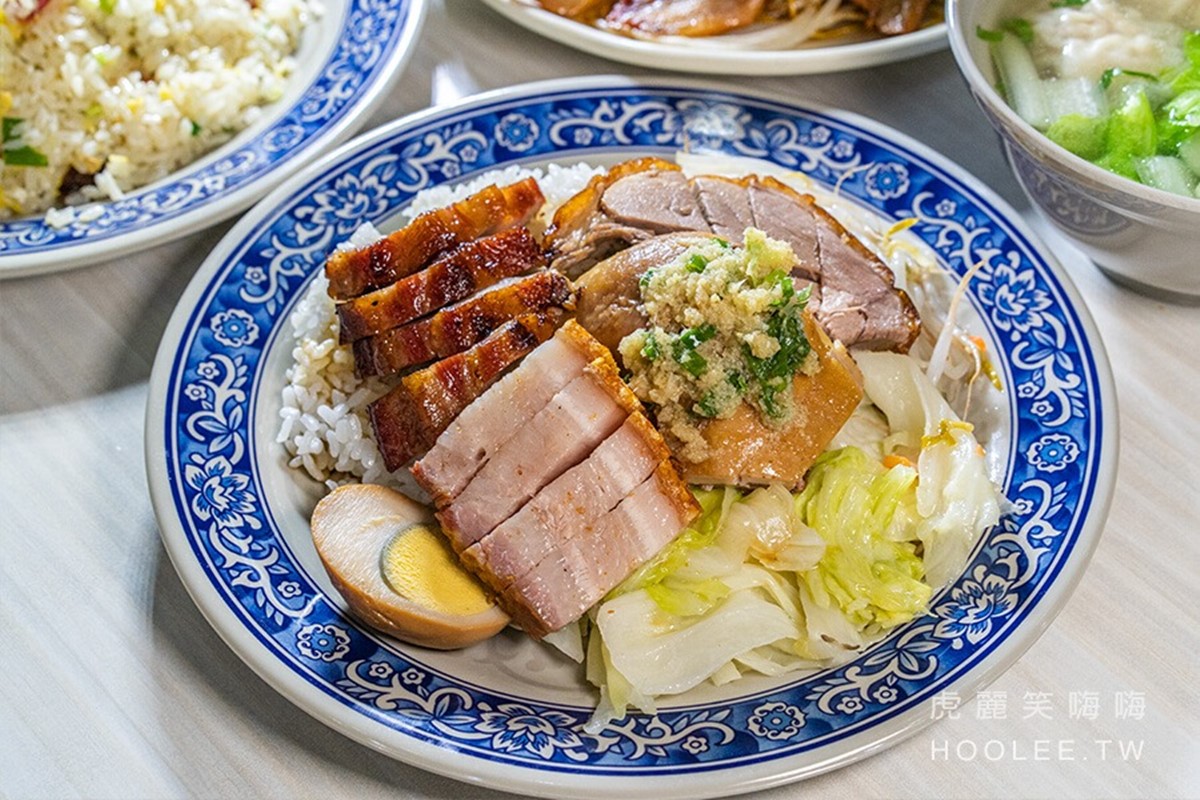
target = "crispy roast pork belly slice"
x: 853, y: 293
x: 453, y: 277
x: 584, y: 413
x: 569, y: 504
x: 582, y: 234
x: 684, y: 17
x: 352, y: 272
x: 485, y: 425
x: 584, y: 568
x: 457, y: 327
x: 408, y: 419
x: 746, y: 451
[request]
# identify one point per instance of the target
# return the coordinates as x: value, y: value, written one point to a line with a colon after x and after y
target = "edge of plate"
x: 209, y: 213
x: 445, y: 760
x: 656, y: 55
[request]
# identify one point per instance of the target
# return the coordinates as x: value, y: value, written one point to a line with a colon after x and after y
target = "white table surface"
x: 113, y: 685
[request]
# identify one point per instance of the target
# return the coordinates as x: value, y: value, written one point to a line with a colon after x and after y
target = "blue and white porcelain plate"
x: 506, y: 713
x: 348, y: 60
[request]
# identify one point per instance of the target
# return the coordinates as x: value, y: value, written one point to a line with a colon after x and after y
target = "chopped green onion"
x: 196, y: 128
x: 1068, y: 3
x: 988, y: 35
x: 107, y: 6
x: 708, y: 407
x: 650, y: 349
x: 1107, y: 77
x: 24, y: 157
x: 1021, y: 28
x: 696, y: 263
x: 8, y: 128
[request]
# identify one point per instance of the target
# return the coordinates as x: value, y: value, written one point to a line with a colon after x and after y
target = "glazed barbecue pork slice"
x: 569, y: 504
x: 506, y: 407
x: 579, y: 417
x: 457, y: 327
x: 583, y: 569
x: 453, y: 277
x: 353, y: 272
x: 408, y: 419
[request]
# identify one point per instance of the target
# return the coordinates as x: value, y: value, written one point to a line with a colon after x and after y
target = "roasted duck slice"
x: 579, y: 417
x: 457, y: 327
x: 582, y: 234
x: 408, y: 419
x: 352, y: 272
x: 569, y: 504
x: 453, y: 277
x: 744, y: 450
x: 486, y: 425
x: 581, y: 570
x: 683, y: 17
x: 853, y: 293
x: 608, y: 299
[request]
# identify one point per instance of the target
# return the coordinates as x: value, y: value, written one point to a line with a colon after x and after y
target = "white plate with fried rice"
x: 127, y: 123
x: 253, y: 407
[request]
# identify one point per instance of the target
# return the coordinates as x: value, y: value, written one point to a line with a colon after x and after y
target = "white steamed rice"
x: 131, y: 90
x: 324, y: 425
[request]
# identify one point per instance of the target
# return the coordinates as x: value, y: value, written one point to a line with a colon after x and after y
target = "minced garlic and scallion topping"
x: 725, y: 328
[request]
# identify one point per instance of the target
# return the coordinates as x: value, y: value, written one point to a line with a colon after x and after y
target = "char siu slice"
x: 352, y: 272
x: 457, y: 327
x: 453, y: 277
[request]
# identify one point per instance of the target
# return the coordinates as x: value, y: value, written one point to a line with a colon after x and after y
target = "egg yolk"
x: 419, y: 565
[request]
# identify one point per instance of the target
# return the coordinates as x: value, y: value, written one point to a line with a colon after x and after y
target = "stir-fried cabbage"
x: 770, y: 581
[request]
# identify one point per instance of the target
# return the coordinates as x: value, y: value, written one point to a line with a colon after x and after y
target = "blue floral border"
x: 370, y: 33
x: 1054, y: 460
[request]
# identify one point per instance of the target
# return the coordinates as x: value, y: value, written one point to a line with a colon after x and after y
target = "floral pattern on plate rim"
x: 1053, y: 459
x: 370, y: 32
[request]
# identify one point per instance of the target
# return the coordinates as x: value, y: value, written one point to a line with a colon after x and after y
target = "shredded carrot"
x: 895, y: 460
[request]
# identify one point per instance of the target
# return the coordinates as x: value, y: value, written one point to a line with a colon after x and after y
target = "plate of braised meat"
x: 733, y: 37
